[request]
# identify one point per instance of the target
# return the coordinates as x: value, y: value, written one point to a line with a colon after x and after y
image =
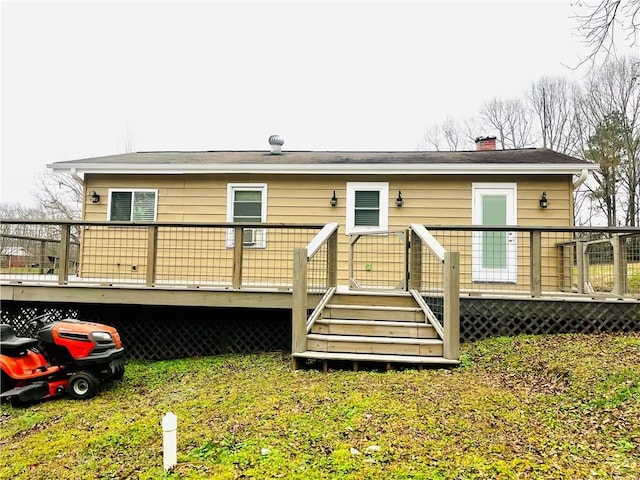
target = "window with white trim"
x: 367, y: 207
x: 129, y: 205
x: 247, y: 203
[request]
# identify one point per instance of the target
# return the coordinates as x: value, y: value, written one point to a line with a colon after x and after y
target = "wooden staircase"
x: 374, y: 327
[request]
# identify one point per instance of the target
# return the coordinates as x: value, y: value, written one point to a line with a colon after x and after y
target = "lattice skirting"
x: 483, y: 318
x: 156, y: 333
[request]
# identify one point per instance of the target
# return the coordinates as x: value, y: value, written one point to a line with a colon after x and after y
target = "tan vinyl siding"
x: 295, y: 199
x: 305, y: 199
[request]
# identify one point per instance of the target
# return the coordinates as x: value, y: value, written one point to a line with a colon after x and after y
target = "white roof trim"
x: 326, y: 169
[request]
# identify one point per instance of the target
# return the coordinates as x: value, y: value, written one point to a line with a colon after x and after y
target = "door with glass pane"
x: 494, y: 252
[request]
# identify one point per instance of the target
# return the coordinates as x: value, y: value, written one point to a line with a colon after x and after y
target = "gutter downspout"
x: 74, y: 174
x: 584, y: 174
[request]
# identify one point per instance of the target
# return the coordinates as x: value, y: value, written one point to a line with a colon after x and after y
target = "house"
x: 364, y: 192
x: 203, y: 201
x: 14, y: 257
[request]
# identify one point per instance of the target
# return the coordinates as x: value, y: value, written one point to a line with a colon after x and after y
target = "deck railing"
x: 150, y: 254
x: 494, y: 261
x: 27, y: 254
x: 315, y: 272
x: 544, y: 262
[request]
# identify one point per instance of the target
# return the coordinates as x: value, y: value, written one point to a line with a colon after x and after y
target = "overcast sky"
x: 77, y: 76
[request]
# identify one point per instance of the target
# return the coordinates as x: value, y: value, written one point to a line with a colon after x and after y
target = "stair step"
x: 376, y: 345
x: 363, y: 339
x: 374, y: 328
x: 361, y: 357
x: 398, y: 299
x: 370, y: 312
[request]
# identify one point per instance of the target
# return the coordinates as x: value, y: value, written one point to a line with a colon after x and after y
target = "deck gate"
x: 379, y: 261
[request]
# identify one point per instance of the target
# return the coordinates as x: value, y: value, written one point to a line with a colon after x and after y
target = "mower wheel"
x: 83, y: 385
x: 6, y: 382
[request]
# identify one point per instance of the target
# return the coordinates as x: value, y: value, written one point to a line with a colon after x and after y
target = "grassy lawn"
x: 556, y: 407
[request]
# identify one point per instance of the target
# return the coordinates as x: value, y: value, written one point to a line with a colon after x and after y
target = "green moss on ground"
x: 561, y: 406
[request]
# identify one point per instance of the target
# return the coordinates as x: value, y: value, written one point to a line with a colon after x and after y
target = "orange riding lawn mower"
x: 68, y: 356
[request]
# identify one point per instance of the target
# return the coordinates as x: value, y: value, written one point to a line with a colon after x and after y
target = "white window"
x: 126, y: 205
x: 247, y: 203
x: 367, y: 207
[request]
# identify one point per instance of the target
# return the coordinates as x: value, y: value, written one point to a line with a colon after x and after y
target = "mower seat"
x: 11, y: 344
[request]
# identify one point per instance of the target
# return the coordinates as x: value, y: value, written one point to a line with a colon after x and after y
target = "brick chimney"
x: 486, y: 143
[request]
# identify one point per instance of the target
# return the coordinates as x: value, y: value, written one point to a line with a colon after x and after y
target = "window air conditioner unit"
x: 249, y: 237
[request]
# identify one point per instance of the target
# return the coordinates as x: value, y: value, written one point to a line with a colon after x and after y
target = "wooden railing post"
x: 152, y: 255
x: 535, y: 239
x: 299, y: 301
x: 564, y: 253
x: 43, y: 257
x: 332, y: 260
x: 63, y: 254
x: 238, y: 236
x: 415, y: 261
x: 580, y: 265
x: 619, y: 265
x: 451, y: 347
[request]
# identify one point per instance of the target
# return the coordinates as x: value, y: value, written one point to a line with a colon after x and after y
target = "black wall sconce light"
x: 95, y: 198
x: 544, y: 203
x: 399, y: 200
x: 334, y: 199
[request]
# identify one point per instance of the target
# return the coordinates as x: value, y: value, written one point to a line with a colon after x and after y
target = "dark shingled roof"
x: 520, y: 156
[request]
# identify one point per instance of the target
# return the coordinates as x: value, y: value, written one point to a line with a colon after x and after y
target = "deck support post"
x: 63, y: 254
x: 451, y: 346
x: 152, y: 255
x: 299, y: 301
x: 536, y: 263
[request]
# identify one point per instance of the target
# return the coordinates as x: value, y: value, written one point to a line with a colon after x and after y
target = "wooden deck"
x: 480, y: 317
x: 386, y: 318
x: 141, y: 295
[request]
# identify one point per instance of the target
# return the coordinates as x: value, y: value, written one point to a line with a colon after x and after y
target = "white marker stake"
x: 169, y: 444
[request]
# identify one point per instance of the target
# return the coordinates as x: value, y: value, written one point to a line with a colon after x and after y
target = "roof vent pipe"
x: 276, y: 143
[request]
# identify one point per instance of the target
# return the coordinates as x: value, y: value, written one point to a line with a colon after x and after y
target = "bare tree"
x: 552, y: 99
x: 510, y: 119
x: 8, y: 230
x: 21, y: 212
x: 58, y: 195
x: 127, y: 145
x: 609, y: 113
x: 432, y: 138
x: 601, y: 21
x: 472, y: 128
x: 451, y: 132
x: 449, y: 135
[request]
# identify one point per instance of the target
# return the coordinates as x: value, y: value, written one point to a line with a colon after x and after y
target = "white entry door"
x: 494, y: 252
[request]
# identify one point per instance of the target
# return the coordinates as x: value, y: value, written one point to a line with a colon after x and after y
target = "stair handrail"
x: 317, y: 312
x: 449, y: 330
x: 429, y: 240
x: 435, y: 323
x: 320, y: 239
x: 302, y: 322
